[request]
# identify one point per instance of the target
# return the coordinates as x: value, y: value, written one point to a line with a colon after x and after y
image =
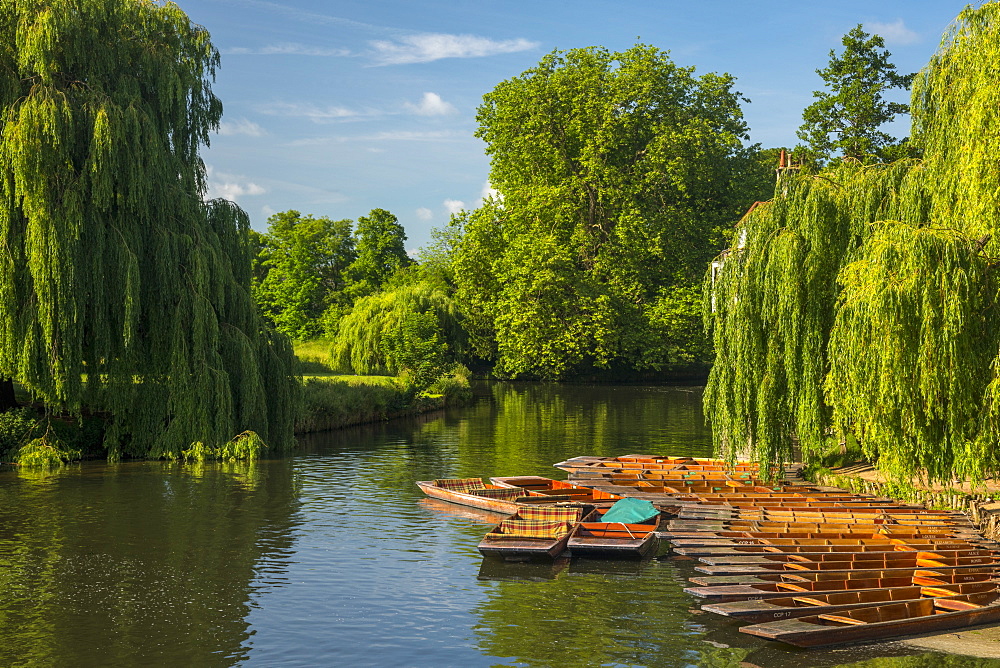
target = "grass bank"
x: 331, y: 400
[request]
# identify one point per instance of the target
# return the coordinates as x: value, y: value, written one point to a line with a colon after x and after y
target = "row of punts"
x: 545, y: 518
x: 802, y: 564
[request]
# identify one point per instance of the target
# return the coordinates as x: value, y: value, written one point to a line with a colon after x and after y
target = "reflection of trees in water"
x: 593, y: 620
x: 138, y: 563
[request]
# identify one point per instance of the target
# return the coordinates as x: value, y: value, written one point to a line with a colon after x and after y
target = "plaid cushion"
x: 514, y: 528
x: 460, y: 484
x: 550, y: 513
x: 502, y: 493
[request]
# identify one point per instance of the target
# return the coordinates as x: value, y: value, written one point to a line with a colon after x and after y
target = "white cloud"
x: 328, y: 114
x: 413, y: 253
x: 487, y: 192
x: 453, y: 206
x: 431, y: 105
x: 893, y: 33
x: 230, y: 186
x: 287, y: 49
x: 394, y: 135
x: 423, y: 213
x: 427, y: 47
x: 267, y: 211
x: 241, y: 127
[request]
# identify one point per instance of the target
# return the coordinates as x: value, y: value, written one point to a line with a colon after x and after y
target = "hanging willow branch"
x: 864, y: 303
x: 111, y: 264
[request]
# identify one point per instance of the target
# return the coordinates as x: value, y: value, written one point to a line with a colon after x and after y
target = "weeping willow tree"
x: 413, y: 328
x: 862, y: 302
x: 121, y: 289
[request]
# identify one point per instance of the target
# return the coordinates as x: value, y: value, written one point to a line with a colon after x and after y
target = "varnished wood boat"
x: 751, y: 538
x: 895, y: 560
x: 473, y: 492
x: 466, y: 492
x: 538, y: 485
x: 614, y: 540
x: 851, y: 574
x: 724, y: 593
x: 532, y: 533
x: 811, y: 603
x: 804, y: 561
x: 885, y: 621
x: 820, y: 547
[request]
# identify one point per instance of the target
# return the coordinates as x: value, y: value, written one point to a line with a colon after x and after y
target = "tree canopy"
x: 617, y: 177
x: 863, y: 301
x: 380, y: 252
x: 302, y: 271
x: 845, y: 121
x: 120, y: 288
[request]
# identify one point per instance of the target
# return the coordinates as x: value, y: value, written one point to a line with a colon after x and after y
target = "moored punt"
x: 547, y: 486
x: 751, y: 538
x: 613, y: 540
x: 892, y: 561
x: 852, y: 574
x: 806, y: 604
x: 766, y: 590
x: 820, y: 547
x: 804, y: 560
x: 472, y: 492
x: 533, y: 532
x: 885, y: 621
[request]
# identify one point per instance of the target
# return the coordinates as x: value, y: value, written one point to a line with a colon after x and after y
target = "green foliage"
x: 243, y: 447
x: 863, y: 302
x: 300, y: 271
x: 380, y: 253
x: 844, y: 121
x: 616, y: 176
x: 16, y: 428
x: 413, y: 327
x: 328, y: 403
x: 45, y: 452
x: 113, y: 264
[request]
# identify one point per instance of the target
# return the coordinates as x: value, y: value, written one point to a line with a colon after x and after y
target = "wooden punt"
x: 531, y: 533
x: 712, y: 542
x: 805, y: 560
x: 894, y: 560
x: 594, y: 538
x: 851, y: 574
x: 884, y: 621
x: 507, y: 506
x: 811, y: 603
x: 818, y: 547
x: 767, y: 590
x: 547, y: 486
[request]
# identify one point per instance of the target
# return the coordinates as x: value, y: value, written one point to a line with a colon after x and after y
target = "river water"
x: 331, y: 556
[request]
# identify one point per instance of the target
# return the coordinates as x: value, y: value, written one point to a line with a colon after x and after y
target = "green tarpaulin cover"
x: 631, y: 511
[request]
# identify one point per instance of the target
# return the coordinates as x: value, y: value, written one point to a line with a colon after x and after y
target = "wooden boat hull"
x: 790, y: 607
x: 523, y: 549
x: 768, y: 590
x: 496, y: 505
x: 853, y: 574
x: 842, y: 566
x: 611, y: 541
x: 817, y: 632
x: 806, y: 558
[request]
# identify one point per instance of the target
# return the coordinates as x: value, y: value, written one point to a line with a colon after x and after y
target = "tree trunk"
x: 7, y: 399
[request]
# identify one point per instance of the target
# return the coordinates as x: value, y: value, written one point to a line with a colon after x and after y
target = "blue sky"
x: 336, y: 108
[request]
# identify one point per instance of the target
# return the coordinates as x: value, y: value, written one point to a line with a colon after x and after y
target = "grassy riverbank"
x: 331, y: 400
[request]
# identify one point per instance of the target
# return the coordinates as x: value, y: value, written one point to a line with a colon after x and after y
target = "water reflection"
x: 129, y: 564
x: 334, y: 557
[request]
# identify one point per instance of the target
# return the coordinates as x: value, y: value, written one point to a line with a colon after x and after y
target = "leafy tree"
x: 616, y: 174
x: 111, y: 263
x: 301, y: 271
x: 845, y: 120
x: 864, y: 302
x: 413, y: 327
x: 380, y: 252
